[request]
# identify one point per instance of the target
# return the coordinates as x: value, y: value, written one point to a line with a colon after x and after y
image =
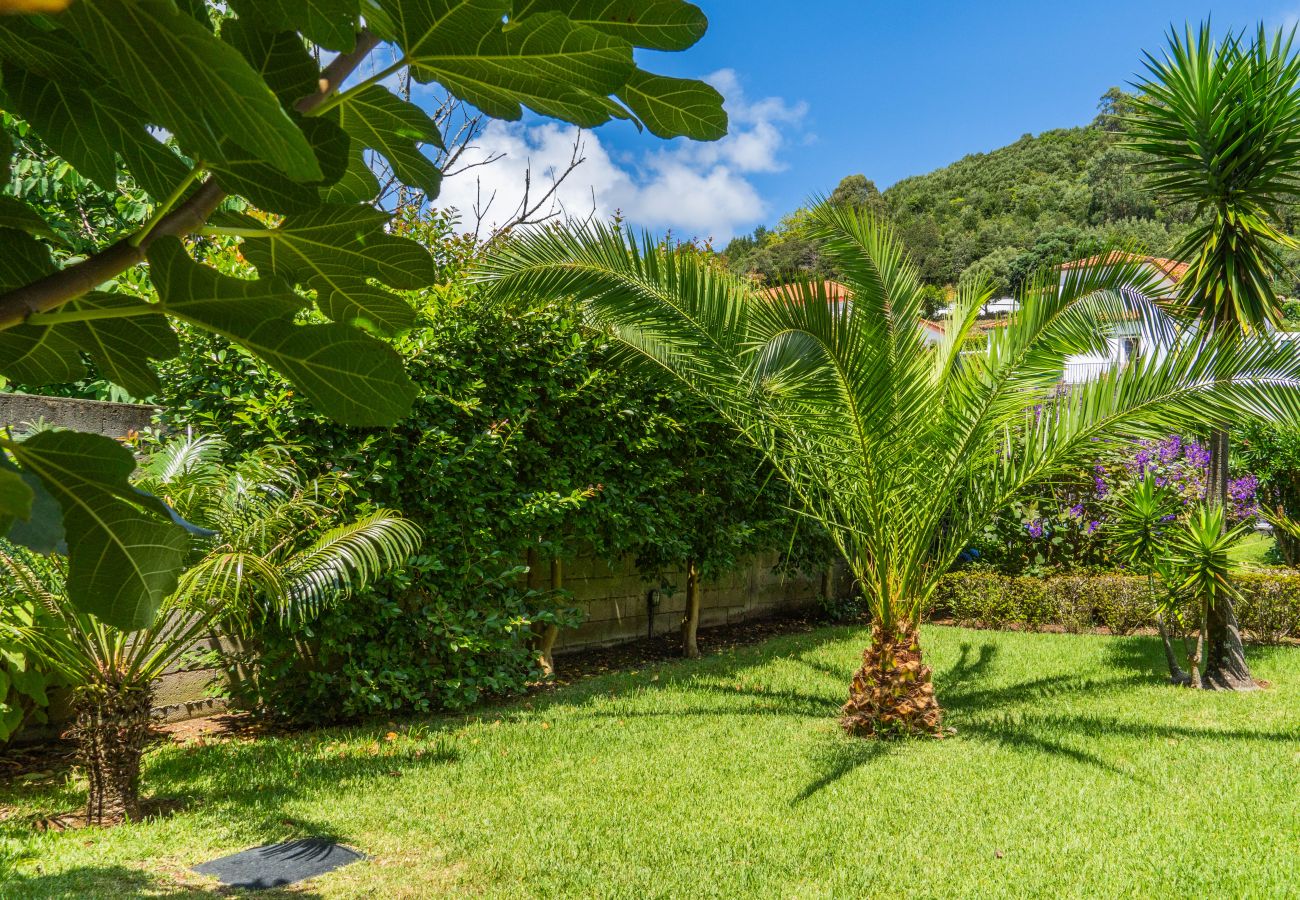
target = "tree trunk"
x: 111, y: 730
x: 1223, y: 660
x: 544, y: 637
x: 1223, y: 666
x: 691, y: 615
x: 892, y: 695
x: 1176, y: 673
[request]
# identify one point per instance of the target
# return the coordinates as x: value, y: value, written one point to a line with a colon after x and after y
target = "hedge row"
x: 1269, y: 608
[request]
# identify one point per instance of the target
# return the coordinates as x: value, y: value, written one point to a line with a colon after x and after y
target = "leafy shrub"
x: 24, y: 683
x: 525, y: 436
x: 1268, y: 609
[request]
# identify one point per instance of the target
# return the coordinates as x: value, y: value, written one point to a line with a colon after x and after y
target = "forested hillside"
x: 1059, y: 195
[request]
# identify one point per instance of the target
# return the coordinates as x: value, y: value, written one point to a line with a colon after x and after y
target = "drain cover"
x: 275, y: 865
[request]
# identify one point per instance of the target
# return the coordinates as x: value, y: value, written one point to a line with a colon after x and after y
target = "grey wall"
x: 113, y: 420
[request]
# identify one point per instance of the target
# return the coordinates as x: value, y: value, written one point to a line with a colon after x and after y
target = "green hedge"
x: 1269, y: 608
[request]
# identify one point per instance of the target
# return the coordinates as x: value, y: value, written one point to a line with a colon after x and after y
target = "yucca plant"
x: 277, y: 545
x: 1200, y: 558
x: 900, y: 449
x: 1218, y: 122
x: 1141, y: 520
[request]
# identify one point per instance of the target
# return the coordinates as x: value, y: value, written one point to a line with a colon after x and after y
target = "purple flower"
x: 1093, y: 526
x: 1197, y: 455
x: 1076, y: 511
x: 1035, y: 529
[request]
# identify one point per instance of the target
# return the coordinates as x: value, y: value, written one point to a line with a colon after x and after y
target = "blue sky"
x: 818, y: 90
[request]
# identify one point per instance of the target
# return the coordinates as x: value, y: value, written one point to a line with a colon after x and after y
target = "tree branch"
x: 73, y: 281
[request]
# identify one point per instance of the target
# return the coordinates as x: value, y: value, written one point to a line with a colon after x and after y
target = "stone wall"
x: 617, y: 608
x: 113, y: 420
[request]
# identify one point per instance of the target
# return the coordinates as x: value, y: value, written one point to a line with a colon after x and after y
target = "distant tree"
x: 1112, y: 109
x: 859, y: 192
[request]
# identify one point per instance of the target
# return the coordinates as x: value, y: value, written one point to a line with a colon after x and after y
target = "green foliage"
x: 141, y: 125
x: 1219, y: 123
x: 1272, y: 453
x: 1063, y: 194
x: 525, y: 435
x: 24, y: 682
x: 902, y: 451
x: 1267, y: 604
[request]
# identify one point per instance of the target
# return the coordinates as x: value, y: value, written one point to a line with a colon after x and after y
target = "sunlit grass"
x: 1074, y: 772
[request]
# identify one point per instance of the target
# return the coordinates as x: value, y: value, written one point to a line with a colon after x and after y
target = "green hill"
x: 1058, y: 195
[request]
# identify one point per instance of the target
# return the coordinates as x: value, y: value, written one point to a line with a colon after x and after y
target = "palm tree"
x: 1220, y: 124
x: 277, y: 545
x: 280, y: 547
x: 901, y: 450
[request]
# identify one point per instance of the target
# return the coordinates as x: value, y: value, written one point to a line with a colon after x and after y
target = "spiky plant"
x: 1140, y: 526
x: 1201, y: 558
x: 1219, y: 124
x: 111, y: 673
x: 901, y: 450
x: 278, y: 546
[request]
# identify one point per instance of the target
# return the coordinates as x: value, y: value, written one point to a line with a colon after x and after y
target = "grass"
x: 1074, y: 772
x: 1255, y: 551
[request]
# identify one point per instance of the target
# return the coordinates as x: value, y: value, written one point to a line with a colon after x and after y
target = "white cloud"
x: 696, y: 189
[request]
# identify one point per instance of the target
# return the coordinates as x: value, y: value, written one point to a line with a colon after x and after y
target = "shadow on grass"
x: 121, y: 881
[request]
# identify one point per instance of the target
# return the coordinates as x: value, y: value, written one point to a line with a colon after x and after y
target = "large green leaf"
x: 6, y: 157
x: 358, y: 184
x: 545, y: 62
x: 653, y: 24
x: 330, y: 23
x: 193, y: 84
x: 378, y: 119
x: 244, y: 174
x: 33, y: 355
x: 357, y: 302
x: 41, y: 527
x: 339, y: 242
x: 51, y: 53
x: 121, y: 347
x: 68, y: 121
x: 670, y: 107
x: 16, y: 496
x: 124, y: 555
x: 353, y: 378
x: 24, y: 259
x: 279, y: 57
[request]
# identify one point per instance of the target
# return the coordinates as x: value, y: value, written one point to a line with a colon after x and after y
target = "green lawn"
x: 1074, y: 772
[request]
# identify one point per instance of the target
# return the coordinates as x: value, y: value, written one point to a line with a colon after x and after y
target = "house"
x: 1128, y: 339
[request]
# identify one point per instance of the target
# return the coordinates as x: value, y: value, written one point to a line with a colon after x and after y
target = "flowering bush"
x: 1064, y: 528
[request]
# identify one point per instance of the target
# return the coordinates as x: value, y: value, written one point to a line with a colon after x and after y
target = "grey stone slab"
x: 277, y: 865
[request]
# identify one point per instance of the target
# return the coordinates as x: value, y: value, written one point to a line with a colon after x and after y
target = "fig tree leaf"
x: 354, y: 301
x: 244, y: 174
x: 652, y: 24
x: 380, y: 120
x: 121, y: 347
x: 358, y: 184
x: 41, y: 529
x: 192, y: 83
x: 330, y: 23
x: 553, y: 66
x: 17, y: 215
x: 672, y: 107
x: 124, y: 553
x: 336, y: 241
x: 353, y: 378
x: 279, y: 57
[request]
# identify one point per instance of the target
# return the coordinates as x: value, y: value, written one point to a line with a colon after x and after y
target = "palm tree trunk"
x: 691, y: 615
x: 111, y: 729
x: 892, y: 694
x: 1223, y: 663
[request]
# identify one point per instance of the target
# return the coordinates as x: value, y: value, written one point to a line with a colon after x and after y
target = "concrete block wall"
x: 614, y: 600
